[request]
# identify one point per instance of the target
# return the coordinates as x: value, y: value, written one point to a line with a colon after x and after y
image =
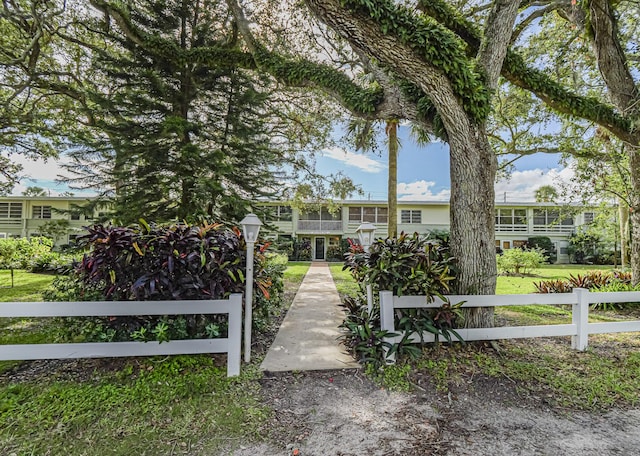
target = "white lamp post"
x: 250, y: 228
x: 365, y: 234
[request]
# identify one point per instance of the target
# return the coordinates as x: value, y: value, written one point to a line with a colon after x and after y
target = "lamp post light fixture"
x: 365, y: 234
x: 250, y: 228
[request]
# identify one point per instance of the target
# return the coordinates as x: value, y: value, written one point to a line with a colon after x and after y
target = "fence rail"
x: 579, y: 329
x: 229, y: 345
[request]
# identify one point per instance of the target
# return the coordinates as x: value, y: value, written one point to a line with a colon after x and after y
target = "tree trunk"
x: 473, y: 163
x: 623, y: 213
x: 634, y: 209
x: 473, y: 169
x: 392, y: 184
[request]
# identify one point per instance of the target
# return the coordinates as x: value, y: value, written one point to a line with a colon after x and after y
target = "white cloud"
x: 522, y: 185
x: 41, y: 173
x: 360, y: 161
x: 421, y: 191
x: 38, y: 169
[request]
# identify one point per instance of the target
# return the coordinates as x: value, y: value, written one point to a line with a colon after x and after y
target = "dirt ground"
x: 342, y: 413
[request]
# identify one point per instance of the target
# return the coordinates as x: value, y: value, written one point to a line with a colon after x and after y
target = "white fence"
x: 229, y: 345
x: 579, y: 329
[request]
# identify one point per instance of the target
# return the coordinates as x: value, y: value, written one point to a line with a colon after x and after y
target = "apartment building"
x: 514, y: 222
x: 22, y: 216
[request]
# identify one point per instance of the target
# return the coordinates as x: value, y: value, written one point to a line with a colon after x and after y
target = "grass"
x: 344, y: 282
x: 523, y: 285
x: 168, y: 405
x: 295, y: 272
x: 27, y: 286
x: 181, y: 404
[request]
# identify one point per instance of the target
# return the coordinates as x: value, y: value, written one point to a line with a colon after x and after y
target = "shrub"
x: 595, y: 281
x: 615, y: 286
x: 406, y: 265
x: 270, y: 279
x: 520, y: 261
x: 176, y: 262
x: 583, y: 248
x: 337, y: 252
x: 553, y: 286
x: 546, y: 245
x: 590, y: 279
x: 409, y: 265
x: 301, y: 251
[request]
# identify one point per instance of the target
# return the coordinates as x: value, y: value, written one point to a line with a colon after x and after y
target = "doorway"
x: 319, y: 251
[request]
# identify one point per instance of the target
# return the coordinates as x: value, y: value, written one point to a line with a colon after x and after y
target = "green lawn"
x: 344, y: 282
x: 165, y: 405
x: 296, y: 271
x: 27, y: 286
x: 524, y: 285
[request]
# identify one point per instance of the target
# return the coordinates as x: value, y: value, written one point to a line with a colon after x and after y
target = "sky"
x: 423, y: 172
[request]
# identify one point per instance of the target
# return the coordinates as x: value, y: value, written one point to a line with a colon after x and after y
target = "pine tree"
x: 182, y: 134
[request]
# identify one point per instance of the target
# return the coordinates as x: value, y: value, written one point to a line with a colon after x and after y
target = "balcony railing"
x: 320, y: 226
x: 553, y: 228
x: 510, y: 228
x: 10, y: 222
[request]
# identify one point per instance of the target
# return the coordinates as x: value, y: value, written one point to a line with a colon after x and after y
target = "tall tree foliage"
x: 171, y: 120
x: 189, y: 134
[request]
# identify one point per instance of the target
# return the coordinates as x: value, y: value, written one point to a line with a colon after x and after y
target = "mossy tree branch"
x: 518, y: 73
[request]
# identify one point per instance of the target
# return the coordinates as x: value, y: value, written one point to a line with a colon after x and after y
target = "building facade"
x: 25, y: 217
x: 515, y: 223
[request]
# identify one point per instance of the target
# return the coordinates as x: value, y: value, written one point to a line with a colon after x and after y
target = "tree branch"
x: 518, y: 73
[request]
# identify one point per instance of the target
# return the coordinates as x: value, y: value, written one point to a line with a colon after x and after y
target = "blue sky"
x: 423, y: 172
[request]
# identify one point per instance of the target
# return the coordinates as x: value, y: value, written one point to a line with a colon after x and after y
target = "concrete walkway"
x: 307, y: 339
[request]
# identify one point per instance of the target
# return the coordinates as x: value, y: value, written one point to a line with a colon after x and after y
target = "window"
x: 588, y: 217
x: 411, y: 216
x: 326, y: 215
x: 279, y: 213
x: 3, y: 235
x: 75, y: 216
x: 368, y: 214
x: 511, y: 217
x: 383, y: 215
x: 314, y: 215
x: 520, y: 244
x: 41, y: 212
x: 10, y: 210
x: 550, y: 217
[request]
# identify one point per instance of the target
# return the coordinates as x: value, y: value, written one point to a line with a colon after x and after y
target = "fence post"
x: 580, y: 318
x: 369, y: 298
x: 386, y: 321
x: 234, y: 335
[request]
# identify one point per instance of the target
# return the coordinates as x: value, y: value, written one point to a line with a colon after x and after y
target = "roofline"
x: 443, y: 203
